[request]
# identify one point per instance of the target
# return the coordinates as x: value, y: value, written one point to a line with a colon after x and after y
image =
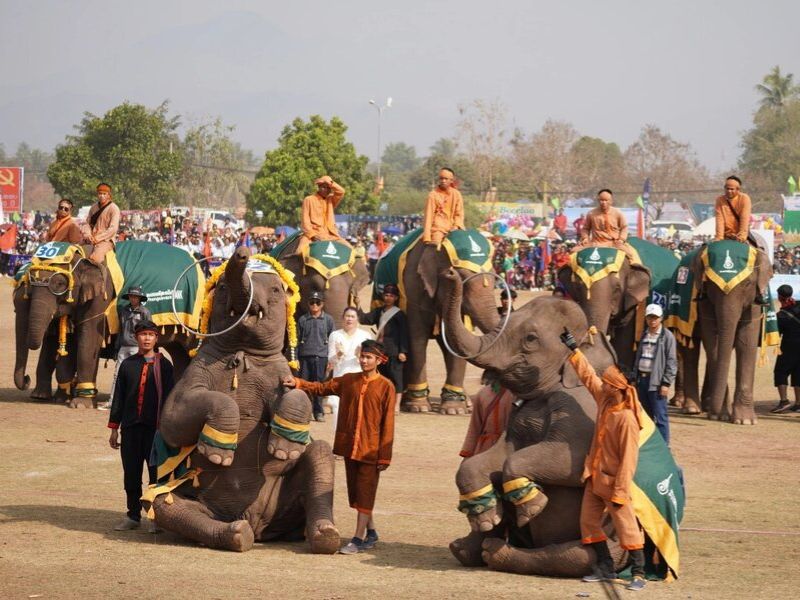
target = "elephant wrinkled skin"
x: 268, y: 487
x: 546, y: 441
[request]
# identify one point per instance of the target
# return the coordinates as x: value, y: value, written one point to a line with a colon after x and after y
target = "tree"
x: 131, y: 147
x: 543, y: 160
x: 481, y: 134
x: 444, y: 147
x: 670, y: 165
x: 776, y: 89
x: 399, y: 157
x: 214, y: 168
x: 596, y: 164
x: 306, y: 150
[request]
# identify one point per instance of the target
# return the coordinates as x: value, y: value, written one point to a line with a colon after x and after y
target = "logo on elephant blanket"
x: 591, y: 265
x: 329, y: 258
x: 469, y: 250
x: 727, y: 263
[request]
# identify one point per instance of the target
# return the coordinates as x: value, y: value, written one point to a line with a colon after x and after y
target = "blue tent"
x: 285, y: 230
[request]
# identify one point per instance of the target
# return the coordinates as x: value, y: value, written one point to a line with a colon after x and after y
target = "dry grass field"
x: 61, y: 493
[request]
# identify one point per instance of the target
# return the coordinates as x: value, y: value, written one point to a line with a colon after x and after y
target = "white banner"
x: 780, y: 279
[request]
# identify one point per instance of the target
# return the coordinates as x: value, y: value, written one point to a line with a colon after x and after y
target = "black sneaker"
x: 637, y: 584
x: 598, y: 577
x: 796, y: 407
x: 782, y: 407
x: 370, y: 540
x: 355, y: 546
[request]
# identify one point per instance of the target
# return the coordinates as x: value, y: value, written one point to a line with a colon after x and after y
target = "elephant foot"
x: 237, y: 536
x: 743, y: 416
x: 78, y: 402
x: 416, y: 405
x: 453, y: 407
x: 497, y: 554
x: 323, y: 537
x: 60, y: 397
x: 283, y: 449
x: 487, y: 520
x: 42, y: 395
x: 530, y: 509
x: 677, y: 400
x: 690, y: 408
x: 217, y: 456
x: 468, y: 549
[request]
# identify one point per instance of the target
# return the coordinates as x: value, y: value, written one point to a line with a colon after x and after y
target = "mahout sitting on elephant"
x: 522, y: 497
x: 237, y: 464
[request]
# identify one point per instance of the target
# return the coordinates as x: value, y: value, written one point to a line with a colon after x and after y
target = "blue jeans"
x: 312, y: 368
x: 654, y: 405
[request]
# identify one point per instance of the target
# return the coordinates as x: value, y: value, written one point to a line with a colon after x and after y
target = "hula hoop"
x: 502, y: 328
x: 227, y: 329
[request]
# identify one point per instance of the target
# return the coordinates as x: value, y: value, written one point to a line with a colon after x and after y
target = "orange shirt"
x: 488, y: 421
x: 365, y: 425
x: 604, y: 227
x: 729, y: 227
x: 317, y: 220
x: 64, y: 230
x: 444, y: 211
x: 614, y: 452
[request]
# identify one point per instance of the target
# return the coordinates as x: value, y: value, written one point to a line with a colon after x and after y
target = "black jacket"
x: 789, y: 328
x: 125, y: 408
x: 395, y: 334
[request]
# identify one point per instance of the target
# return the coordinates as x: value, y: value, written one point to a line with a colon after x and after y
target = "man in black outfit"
x: 313, y: 330
x: 393, y: 334
x: 143, y: 383
x: 788, y: 362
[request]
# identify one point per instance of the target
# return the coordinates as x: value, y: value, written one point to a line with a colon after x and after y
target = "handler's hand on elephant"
x: 289, y: 382
x: 569, y: 340
x: 113, y: 439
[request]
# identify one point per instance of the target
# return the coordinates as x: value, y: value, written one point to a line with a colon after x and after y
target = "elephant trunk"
x: 460, y: 339
x: 42, y: 310
x: 22, y: 309
x: 480, y: 303
x: 237, y: 280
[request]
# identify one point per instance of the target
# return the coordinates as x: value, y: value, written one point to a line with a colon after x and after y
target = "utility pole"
x: 380, y: 110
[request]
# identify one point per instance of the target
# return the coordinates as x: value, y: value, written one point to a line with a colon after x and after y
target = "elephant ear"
x: 600, y: 354
x: 90, y: 285
x: 429, y: 267
x: 637, y: 286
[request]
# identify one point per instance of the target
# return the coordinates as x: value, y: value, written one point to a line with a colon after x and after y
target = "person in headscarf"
x: 102, y: 224
x: 444, y: 209
x: 64, y: 228
x: 317, y: 219
x: 609, y: 468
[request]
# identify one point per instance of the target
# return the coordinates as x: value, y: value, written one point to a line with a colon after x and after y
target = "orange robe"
x: 729, y: 227
x: 365, y: 424
x: 488, y: 422
x: 64, y: 230
x: 609, y: 468
x: 604, y: 228
x: 444, y: 211
x: 317, y: 220
x: 104, y: 230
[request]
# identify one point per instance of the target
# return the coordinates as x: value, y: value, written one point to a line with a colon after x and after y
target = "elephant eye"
x: 531, y: 337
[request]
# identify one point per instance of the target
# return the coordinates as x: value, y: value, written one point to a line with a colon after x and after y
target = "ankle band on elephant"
x: 86, y: 390
x: 417, y: 391
x: 294, y: 432
x: 452, y: 393
x: 218, y: 439
x: 520, y: 490
x: 479, y: 501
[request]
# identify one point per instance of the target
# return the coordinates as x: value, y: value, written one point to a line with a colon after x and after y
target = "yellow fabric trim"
x: 155, y: 490
x: 290, y: 425
x: 169, y: 465
x: 320, y: 268
x: 587, y: 279
x: 466, y: 264
x: 515, y: 484
x: 727, y: 286
x: 656, y: 527
x: 648, y: 426
x: 452, y: 388
x: 401, y: 268
x: 417, y: 387
x: 219, y: 436
x: 686, y: 329
x: 484, y: 490
x: 85, y: 386
x: 118, y: 279
x: 527, y: 497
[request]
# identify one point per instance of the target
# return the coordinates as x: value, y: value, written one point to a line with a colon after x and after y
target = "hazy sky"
x: 607, y: 67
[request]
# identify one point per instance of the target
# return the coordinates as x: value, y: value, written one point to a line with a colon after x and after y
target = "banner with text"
x: 11, y: 188
x: 791, y: 221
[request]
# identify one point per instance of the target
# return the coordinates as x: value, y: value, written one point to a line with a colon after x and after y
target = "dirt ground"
x: 61, y: 493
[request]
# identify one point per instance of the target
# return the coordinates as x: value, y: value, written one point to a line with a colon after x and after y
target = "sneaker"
x: 637, y: 584
x: 796, y: 407
x: 782, y: 407
x: 104, y: 406
x: 370, y: 540
x: 598, y: 576
x: 127, y: 524
x: 354, y: 546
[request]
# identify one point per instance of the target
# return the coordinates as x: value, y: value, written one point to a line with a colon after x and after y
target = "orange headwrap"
x: 104, y: 188
x: 616, y: 379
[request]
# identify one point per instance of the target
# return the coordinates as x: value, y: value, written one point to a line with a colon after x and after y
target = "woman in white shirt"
x: 343, y: 349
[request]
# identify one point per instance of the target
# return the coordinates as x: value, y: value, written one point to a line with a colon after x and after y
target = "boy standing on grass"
x: 364, y: 434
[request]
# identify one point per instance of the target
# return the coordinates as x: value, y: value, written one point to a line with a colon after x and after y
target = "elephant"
x: 610, y: 304
x: 269, y: 486
x: 423, y: 301
x: 546, y: 440
x: 729, y: 321
x: 40, y: 302
x: 339, y: 291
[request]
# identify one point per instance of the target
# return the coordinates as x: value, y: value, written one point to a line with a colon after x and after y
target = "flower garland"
x: 63, y: 323
x: 288, y: 281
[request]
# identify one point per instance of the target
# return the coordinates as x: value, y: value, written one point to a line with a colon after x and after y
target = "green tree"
x: 596, y: 164
x: 306, y: 150
x: 399, y: 157
x: 132, y: 148
x: 444, y: 147
x: 776, y: 89
x: 214, y: 167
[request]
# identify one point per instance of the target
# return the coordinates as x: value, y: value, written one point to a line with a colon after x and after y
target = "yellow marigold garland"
x: 26, y: 279
x: 63, y: 323
x: 288, y: 280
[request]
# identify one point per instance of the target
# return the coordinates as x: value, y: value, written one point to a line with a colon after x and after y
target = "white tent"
x: 707, y: 227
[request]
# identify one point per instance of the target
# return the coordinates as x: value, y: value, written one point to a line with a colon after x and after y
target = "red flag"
x: 8, y: 240
x: 640, y: 224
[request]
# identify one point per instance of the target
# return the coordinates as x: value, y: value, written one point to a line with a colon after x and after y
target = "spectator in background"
x: 505, y: 305
x: 560, y: 223
x: 314, y: 329
x: 343, y: 349
x: 788, y: 362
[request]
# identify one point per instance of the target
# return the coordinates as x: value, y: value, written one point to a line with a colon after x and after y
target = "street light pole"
x: 380, y: 110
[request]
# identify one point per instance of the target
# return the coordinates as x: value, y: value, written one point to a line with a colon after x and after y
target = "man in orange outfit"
x: 444, y: 209
x: 317, y: 221
x: 364, y: 434
x: 732, y: 212
x: 609, y: 468
x: 604, y: 224
x: 101, y: 225
x: 64, y: 228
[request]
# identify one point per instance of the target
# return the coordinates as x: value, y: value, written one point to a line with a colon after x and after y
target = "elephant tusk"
x: 260, y: 315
